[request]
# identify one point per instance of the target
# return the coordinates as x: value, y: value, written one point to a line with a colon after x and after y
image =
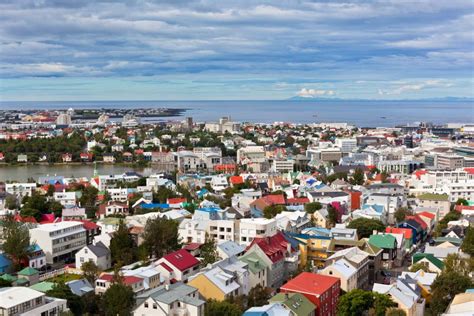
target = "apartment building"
x: 59, y: 241
x: 26, y: 301
x: 20, y: 189
x: 250, y: 228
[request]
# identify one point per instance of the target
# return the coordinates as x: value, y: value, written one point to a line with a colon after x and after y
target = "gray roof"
x: 329, y: 194
x: 170, y: 294
x: 80, y: 287
x: 99, y: 249
x: 231, y: 248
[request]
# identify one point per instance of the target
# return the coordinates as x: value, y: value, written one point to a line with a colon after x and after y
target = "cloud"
x: 415, y: 87
x: 312, y: 93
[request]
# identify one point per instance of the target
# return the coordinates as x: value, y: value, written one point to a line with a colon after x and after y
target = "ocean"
x: 359, y: 113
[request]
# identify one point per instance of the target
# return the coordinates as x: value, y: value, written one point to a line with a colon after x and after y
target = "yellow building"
x: 216, y: 283
x: 313, y: 249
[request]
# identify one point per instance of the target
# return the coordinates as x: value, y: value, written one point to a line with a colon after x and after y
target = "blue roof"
x: 209, y: 209
x: 310, y: 181
x: 4, y: 261
x: 306, y: 236
x: 154, y: 205
x: 378, y: 208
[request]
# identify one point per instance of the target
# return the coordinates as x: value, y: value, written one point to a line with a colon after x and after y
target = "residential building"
x: 170, y: 299
x: 26, y: 301
x: 97, y: 253
x: 321, y: 290
x: 178, y: 265
x: 59, y: 241
x: 343, y: 270
x: 105, y: 280
x: 297, y: 304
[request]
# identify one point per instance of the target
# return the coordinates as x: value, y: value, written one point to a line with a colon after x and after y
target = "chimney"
x: 167, y: 287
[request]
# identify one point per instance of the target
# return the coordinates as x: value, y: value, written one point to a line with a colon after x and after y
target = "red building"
x: 321, y: 290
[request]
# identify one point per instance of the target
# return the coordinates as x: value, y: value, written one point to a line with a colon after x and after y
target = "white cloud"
x: 311, y: 93
x: 415, y: 87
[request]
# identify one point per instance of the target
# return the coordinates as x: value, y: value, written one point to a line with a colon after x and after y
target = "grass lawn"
x: 65, y: 278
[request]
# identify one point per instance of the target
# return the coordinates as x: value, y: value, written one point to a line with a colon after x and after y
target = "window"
x: 155, y: 306
x: 81, y: 259
x: 146, y: 304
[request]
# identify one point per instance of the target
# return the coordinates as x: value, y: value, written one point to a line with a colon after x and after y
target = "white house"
x: 26, y: 301
x: 65, y: 198
x: 97, y: 253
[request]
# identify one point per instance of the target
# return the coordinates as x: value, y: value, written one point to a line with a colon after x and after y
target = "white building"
x: 20, y: 189
x: 282, y: 165
x: 97, y: 253
x: 59, y: 241
x: 65, y: 198
x: 26, y: 301
x: 347, y: 145
x: 249, y: 228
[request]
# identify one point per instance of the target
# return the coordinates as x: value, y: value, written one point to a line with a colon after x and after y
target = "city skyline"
x: 207, y: 50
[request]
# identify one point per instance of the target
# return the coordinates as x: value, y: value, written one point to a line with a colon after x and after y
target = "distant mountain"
x: 450, y: 99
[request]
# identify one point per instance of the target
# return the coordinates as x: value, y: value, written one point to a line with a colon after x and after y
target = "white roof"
x: 261, y: 221
x: 425, y: 278
x: 12, y: 296
x: 344, y: 268
x: 219, y: 277
x: 51, y: 227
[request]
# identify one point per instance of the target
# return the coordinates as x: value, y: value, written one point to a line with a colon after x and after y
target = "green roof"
x: 21, y: 281
x: 254, y: 262
x: 453, y: 240
x: 296, y: 302
x: 430, y: 257
x: 28, y: 271
x: 8, y: 277
x: 44, y: 286
x: 385, y: 241
x: 433, y: 196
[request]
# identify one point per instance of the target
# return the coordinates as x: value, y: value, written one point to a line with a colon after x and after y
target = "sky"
x: 58, y: 50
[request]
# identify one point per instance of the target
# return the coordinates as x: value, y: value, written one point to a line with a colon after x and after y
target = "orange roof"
x: 426, y: 214
x: 407, y: 232
x: 419, y: 173
x: 469, y: 170
x: 236, y: 180
x: 176, y: 200
x: 310, y: 283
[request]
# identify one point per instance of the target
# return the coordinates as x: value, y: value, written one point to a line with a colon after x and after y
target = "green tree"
x: 395, y: 312
x: 355, y: 302
x: 381, y: 303
x: 220, y: 308
x: 258, y: 296
x: 5, y: 283
x: 445, y: 287
x: 122, y: 248
x: 333, y: 216
x: 118, y: 300
x: 312, y: 207
x: 461, y: 201
x: 16, y: 243
x: 90, y: 271
x: 366, y: 226
x: 91, y: 303
x: 401, y: 213
x: 11, y: 202
x: 358, y: 178
x: 272, y: 210
x: 74, y: 302
x: 88, y: 200
x: 455, y: 263
x: 420, y: 266
x: 209, y: 252
x: 468, y: 242
x: 161, y: 236
x: 163, y: 194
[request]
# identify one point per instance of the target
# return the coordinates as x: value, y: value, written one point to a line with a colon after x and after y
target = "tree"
x: 312, y: 207
x: 91, y: 303
x: 381, y: 303
x: 461, y: 201
x: 16, y: 243
x: 445, y: 287
x: 90, y: 271
x: 88, y: 200
x: 5, y: 283
x: 161, y: 236
x: 360, y: 302
x: 209, y: 252
x: 272, y: 210
x: 401, y: 213
x: 358, y: 178
x: 118, y: 300
x: 258, y: 296
x: 333, y: 216
x: 395, y: 312
x: 355, y: 302
x: 419, y: 266
x: 219, y: 308
x: 455, y: 263
x: 366, y: 226
x: 443, y: 223
x: 468, y: 242
x: 74, y: 302
x: 122, y: 248
x: 163, y: 194
x: 11, y: 202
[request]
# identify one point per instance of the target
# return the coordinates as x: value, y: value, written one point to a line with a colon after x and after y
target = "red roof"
x: 407, y: 232
x: 176, y: 200
x: 301, y: 200
x: 167, y: 267
x: 417, y: 219
x: 426, y: 214
x: 310, y: 283
x: 127, y: 280
x: 419, y: 173
x: 469, y: 170
x: 236, y: 180
x: 26, y: 219
x: 275, y: 247
x: 460, y: 207
x: 274, y: 199
x: 181, y: 259
x: 192, y: 246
